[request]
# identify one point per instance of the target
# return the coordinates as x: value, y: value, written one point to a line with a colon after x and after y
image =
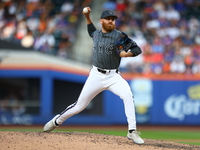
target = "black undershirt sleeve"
x: 91, y: 28
x: 136, y: 50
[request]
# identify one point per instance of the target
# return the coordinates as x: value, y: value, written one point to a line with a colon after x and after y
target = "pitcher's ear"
x: 101, y: 20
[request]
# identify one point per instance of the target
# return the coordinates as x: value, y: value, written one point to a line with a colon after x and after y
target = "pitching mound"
x: 80, y: 141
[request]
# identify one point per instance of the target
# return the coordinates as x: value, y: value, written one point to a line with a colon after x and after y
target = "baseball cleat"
x: 49, y: 126
x: 135, y: 137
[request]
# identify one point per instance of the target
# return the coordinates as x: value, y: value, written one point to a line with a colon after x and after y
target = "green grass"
x: 185, y: 137
x: 174, y: 136
x: 19, y: 129
x: 191, y: 143
x: 171, y: 135
x: 157, y: 135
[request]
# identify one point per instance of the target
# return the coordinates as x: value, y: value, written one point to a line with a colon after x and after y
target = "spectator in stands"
x: 8, y: 31
x: 28, y: 40
x: 177, y: 65
x: 46, y: 42
x: 196, y: 67
x: 20, y: 31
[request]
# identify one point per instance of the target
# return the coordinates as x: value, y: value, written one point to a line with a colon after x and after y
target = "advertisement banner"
x: 176, y: 102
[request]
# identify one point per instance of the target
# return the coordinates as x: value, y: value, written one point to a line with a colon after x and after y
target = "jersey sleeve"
x: 91, y: 28
x: 125, y: 43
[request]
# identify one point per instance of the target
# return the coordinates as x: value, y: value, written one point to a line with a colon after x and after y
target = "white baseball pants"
x: 96, y: 83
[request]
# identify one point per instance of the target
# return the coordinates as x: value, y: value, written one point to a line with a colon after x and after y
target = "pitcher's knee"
x: 78, y: 109
x: 127, y: 95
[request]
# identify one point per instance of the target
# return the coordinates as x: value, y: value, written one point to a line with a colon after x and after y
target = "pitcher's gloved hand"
x: 124, y: 43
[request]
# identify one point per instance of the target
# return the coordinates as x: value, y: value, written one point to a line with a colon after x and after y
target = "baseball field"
x: 99, y: 138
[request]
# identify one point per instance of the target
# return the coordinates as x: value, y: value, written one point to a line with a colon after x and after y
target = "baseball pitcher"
x: 109, y: 45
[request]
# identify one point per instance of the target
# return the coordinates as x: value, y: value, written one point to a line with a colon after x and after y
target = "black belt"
x: 105, y: 71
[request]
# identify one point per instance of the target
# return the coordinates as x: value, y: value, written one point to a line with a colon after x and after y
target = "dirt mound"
x: 80, y: 141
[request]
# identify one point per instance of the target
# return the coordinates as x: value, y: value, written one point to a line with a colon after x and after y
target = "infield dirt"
x: 80, y: 141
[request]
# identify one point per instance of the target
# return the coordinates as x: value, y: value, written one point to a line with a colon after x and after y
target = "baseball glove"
x: 124, y: 43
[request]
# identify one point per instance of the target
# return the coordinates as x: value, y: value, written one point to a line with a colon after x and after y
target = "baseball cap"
x: 108, y: 13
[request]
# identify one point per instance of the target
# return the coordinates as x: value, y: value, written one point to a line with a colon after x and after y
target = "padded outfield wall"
x: 173, y: 100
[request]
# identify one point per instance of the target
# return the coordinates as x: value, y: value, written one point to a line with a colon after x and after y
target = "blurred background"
x: 45, y: 53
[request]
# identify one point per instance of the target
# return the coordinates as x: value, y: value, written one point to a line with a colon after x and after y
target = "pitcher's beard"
x: 108, y: 27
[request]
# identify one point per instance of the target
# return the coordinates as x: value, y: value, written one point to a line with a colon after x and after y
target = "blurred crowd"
x: 48, y: 26
x: 168, y: 31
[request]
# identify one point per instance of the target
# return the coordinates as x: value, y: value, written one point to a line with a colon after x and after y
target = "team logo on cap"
x: 111, y: 12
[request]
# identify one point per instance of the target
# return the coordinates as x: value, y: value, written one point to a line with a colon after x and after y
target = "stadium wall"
x: 158, y: 101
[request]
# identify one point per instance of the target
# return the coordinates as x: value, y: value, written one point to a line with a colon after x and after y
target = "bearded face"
x: 108, y: 24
